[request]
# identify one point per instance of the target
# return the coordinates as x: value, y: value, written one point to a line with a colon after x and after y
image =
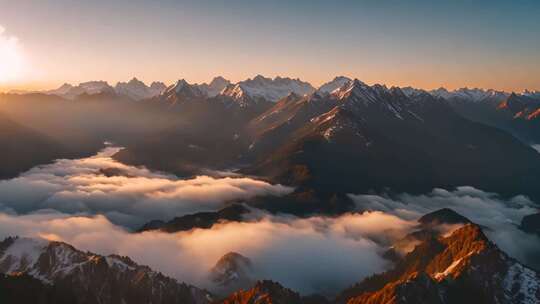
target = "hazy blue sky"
x: 416, y: 42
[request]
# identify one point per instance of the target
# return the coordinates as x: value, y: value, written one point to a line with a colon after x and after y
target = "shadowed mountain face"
x: 24, y: 148
x: 79, y: 127
x: 25, y: 289
x: 374, y: 138
x: 203, y: 220
x: 516, y: 114
x: 531, y: 223
x: 232, y: 272
x: 443, y: 216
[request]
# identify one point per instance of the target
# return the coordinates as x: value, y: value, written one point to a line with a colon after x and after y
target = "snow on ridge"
x: 267, y: 88
x: 23, y: 253
x: 333, y: 85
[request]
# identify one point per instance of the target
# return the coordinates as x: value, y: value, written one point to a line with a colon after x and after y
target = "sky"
x: 425, y: 44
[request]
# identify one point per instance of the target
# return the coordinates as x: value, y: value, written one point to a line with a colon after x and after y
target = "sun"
x: 11, y: 61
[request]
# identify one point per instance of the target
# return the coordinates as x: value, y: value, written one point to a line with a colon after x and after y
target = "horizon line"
x: 14, y: 89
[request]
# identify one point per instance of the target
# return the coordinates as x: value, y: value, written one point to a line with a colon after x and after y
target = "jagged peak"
x: 337, y: 78
x: 156, y: 84
x: 443, y: 216
x: 349, y: 88
x: 335, y: 84
x: 234, y: 260
x: 219, y: 80
x: 66, y: 85
x: 180, y: 83
x: 135, y: 80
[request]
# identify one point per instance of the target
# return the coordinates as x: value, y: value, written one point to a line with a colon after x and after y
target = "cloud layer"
x: 91, y: 202
x: 126, y: 195
x: 318, y: 254
x: 500, y: 216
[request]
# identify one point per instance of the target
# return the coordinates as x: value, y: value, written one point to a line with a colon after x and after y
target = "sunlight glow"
x: 11, y: 61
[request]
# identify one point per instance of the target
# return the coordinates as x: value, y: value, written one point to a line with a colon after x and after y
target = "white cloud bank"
x: 127, y: 195
x: 500, y: 216
x: 310, y: 255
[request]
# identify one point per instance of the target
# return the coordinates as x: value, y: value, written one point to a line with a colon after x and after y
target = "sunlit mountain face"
x: 379, y: 164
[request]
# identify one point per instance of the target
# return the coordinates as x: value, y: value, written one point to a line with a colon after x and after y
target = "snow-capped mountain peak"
x: 107, y: 279
x: 90, y: 87
x: 267, y: 88
x: 216, y: 86
x: 467, y: 94
x: 333, y: 85
x: 183, y: 91
x: 138, y: 90
x: 180, y: 84
x: 352, y: 88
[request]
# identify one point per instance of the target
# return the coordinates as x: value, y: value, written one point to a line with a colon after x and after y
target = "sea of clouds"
x: 93, y: 203
x: 318, y: 254
x: 130, y: 196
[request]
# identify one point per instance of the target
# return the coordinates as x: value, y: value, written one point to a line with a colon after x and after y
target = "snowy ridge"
x: 138, y: 90
x: 23, y: 255
x: 108, y: 280
x: 527, y: 281
x: 267, y: 88
x: 359, y: 97
x: 215, y: 87
x: 474, y: 95
x: 333, y: 85
x: 91, y: 87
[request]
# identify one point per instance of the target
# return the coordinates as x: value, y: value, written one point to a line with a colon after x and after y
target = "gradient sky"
x: 426, y: 44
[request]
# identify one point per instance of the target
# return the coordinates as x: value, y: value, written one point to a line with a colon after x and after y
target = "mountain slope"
x: 376, y: 138
x: 19, y: 146
x: 336, y: 83
x: 202, y: 125
x: 215, y: 86
x: 203, y: 220
x: 231, y: 272
x: 268, y: 292
x: 514, y: 113
x: 92, y: 278
x: 24, y: 289
x: 460, y: 268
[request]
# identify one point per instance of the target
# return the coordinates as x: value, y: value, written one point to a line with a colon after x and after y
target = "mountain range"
x: 337, y: 139
x: 344, y: 137
x: 457, y: 266
x: 85, y: 277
